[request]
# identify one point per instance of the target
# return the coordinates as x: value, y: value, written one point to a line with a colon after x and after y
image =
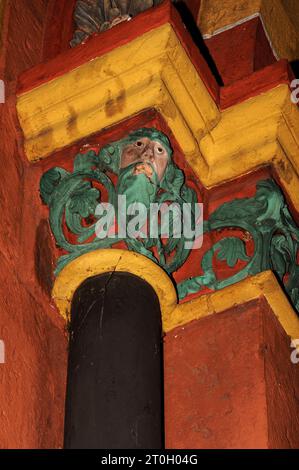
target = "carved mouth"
x: 148, y: 162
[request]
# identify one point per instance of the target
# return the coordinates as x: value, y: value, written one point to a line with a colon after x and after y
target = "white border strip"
x: 269, y: 39
x: 239, y: 22
x: 230, y: 26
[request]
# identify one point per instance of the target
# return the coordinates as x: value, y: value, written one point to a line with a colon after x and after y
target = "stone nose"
x: 147, y: 153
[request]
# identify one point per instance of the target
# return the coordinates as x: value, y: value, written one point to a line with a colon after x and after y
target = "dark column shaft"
x: 115, y: 392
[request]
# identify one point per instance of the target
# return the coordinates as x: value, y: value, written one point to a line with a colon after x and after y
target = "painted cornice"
x: 155, y: 71
x: 261, y: 131
x: 216, y: 16
x: 152, y: 71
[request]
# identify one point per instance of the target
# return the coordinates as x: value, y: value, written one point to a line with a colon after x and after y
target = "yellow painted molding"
x: 280, y: 28
x: 261, y: 131
x: 152, y: 71
x: 292, y: 9
x: 173, y: 314
x: 252, y: 288
x: 113, y: 260
x: 217, y: 14
x: 277, y: 16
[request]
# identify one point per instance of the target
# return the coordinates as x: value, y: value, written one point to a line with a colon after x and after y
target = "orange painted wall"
x: 215, y: 385
x: 32, y: 380
x: 229, y: 382
x: 240, y: 51
x: 282, y: 384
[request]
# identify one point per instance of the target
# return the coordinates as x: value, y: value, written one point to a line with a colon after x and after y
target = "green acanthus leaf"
x: 231, y: 250
x: 84, y: 200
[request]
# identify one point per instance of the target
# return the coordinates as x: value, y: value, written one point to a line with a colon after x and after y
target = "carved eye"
x: 139, y: 143
x: 159, y: 149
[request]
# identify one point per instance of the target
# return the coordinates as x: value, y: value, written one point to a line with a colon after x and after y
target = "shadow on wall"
x: 44, y: 257
x: 295, y: 68
x: 192, y: 28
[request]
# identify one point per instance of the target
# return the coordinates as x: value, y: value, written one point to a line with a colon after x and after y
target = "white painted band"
x: 239, y: 22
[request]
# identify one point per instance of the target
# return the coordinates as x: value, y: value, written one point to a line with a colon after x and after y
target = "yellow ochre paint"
x: 154, y: 71
x: 173, y: 314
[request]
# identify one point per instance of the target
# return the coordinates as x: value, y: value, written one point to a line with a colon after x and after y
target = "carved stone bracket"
x: 146, y: 174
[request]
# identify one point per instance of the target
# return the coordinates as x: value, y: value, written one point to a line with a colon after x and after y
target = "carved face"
x: 145, y: 151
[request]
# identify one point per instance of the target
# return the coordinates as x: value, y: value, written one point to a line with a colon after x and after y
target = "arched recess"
x: 111, y: 297
x: 114, y: 394
x: 114, y: 260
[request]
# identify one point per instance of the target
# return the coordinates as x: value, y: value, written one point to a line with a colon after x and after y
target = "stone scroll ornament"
x: 95, y: 16
x: 145, y: 174
x: 265, y: 219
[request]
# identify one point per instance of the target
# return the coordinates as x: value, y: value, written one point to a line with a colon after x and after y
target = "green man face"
x: 143, y: 158
x: 147, y: 155
x: 146, y: 173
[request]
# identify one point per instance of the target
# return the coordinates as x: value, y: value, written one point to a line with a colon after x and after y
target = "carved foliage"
x: 153, y: 177
x: 266, y: 218
x: 73, y: 197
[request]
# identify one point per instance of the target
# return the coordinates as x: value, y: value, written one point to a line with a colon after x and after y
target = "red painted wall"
x: 32, y: 380
x: 282, y: 384
x: 204, y: 361
x: 229, y: 382
x: 240, y: 51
